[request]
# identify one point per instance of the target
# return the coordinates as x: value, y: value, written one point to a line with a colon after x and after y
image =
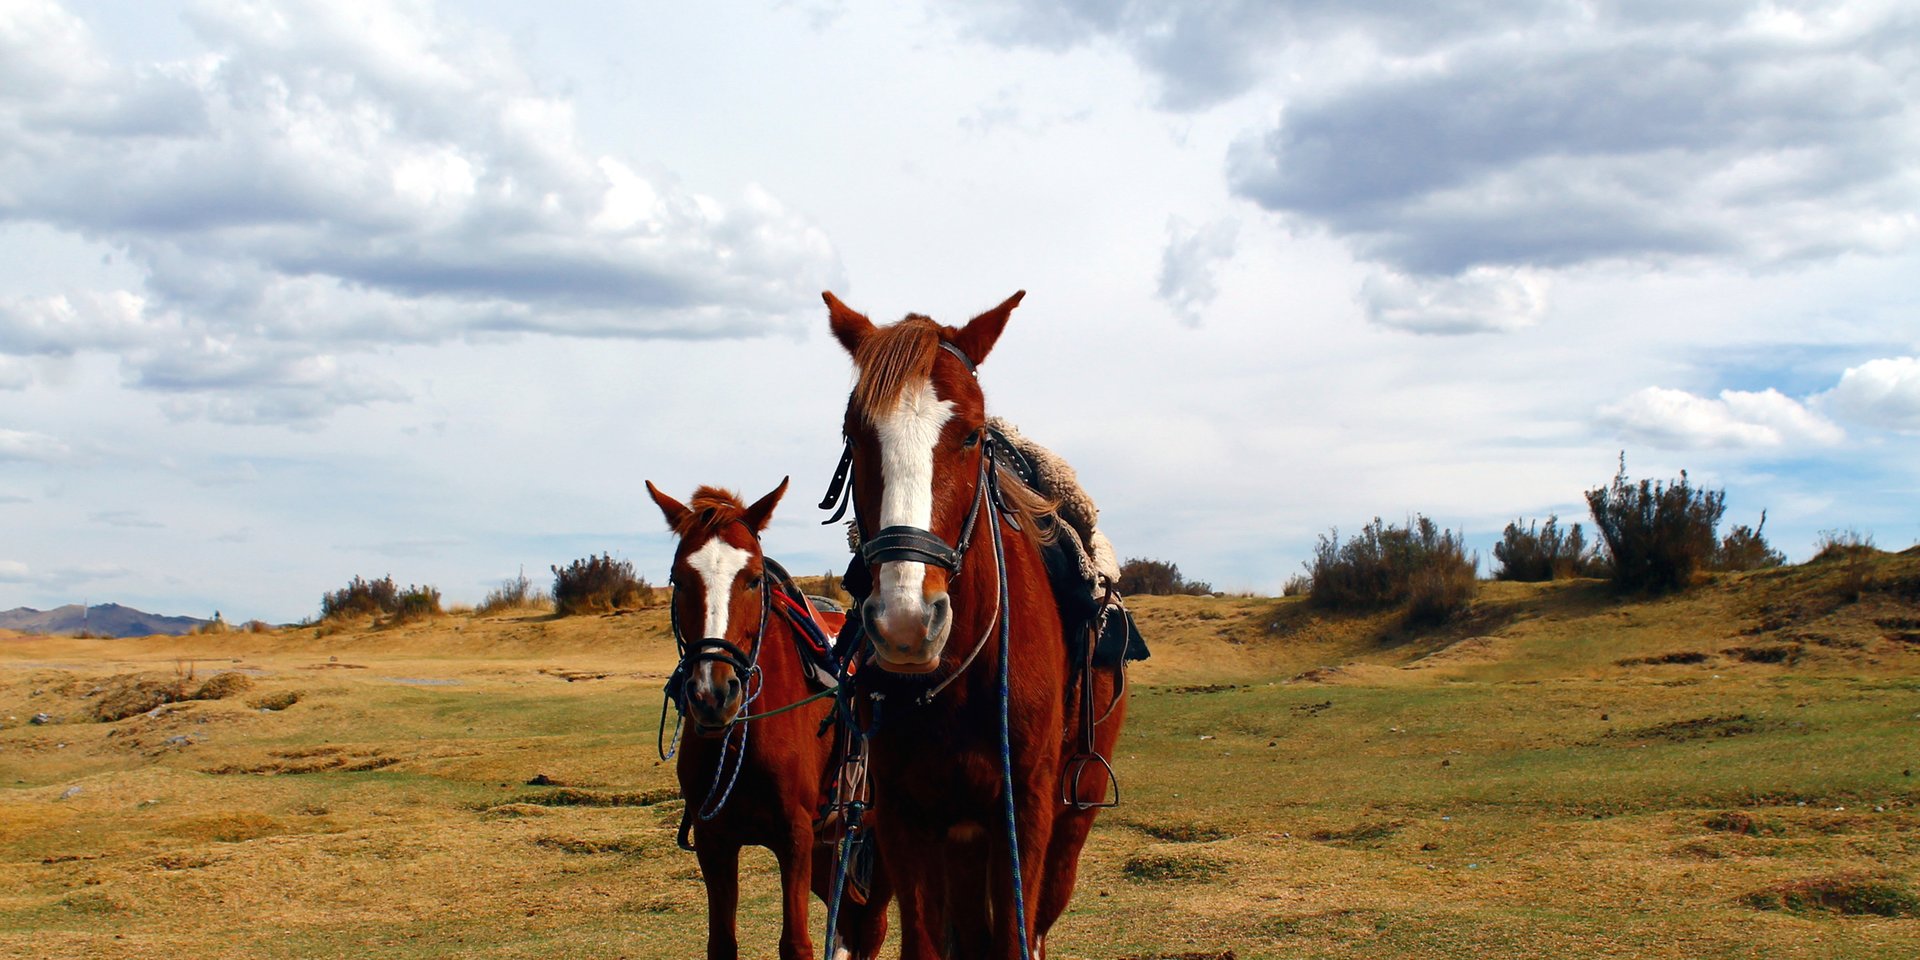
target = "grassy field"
x: 1724, y: 774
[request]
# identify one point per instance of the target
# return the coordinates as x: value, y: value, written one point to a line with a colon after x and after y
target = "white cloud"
x: 1737, y: 420
x: 324, y: 175
x: 1880, y: 393
x: 14, y: 373
x: 1481, y: 300
x: 1439, y: 139
x: 23, y: 445
x: 1188, y: 262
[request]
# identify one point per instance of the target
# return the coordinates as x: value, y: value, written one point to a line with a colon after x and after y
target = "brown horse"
x: 942, y: 526
x: 751, y: 781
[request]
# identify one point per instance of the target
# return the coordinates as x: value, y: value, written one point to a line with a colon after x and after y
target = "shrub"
x: 361, y: 598
x: 415, y: 603
x: 373, y: 598
x: 1298, y: 585
x: 1841, y: 544
x: 1854, y: 552
x: 1657, y: 534
x: 1746, y: 548
x: 1420, y: 565
x: 1545, y: 552
x: 598, y: 585
x: 1141, y: 576
x: 513, y: 594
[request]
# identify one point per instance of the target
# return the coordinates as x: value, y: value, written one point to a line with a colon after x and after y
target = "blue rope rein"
x: 1006, y: 745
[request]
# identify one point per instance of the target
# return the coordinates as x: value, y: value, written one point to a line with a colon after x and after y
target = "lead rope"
x: 1006, y: 742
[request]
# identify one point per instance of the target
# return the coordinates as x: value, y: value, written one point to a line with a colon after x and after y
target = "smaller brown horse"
x: 752, y: 780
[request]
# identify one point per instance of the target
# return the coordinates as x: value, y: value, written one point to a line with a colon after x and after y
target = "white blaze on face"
x: 717, y: 563
x: 908, y: 434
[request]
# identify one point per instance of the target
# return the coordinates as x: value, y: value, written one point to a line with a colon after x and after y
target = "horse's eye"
x: 972, y: 440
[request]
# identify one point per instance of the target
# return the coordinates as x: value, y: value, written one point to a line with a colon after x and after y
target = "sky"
x: 296, y: 291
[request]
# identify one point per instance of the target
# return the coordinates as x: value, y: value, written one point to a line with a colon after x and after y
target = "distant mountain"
x: 103, y: 619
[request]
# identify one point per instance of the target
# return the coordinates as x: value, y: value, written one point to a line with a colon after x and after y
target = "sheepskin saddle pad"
x: 1081, y: 561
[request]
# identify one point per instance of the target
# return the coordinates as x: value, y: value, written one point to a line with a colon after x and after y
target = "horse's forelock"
x: 710, y: 509
x: 892, y: 360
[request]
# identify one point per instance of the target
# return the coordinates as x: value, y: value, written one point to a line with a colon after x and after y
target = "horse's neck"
x: 779, y: 663
x: 1030, y: 602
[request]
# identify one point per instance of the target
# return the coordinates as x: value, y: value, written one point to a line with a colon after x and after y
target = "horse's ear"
x: 976, y: 339
x: 672, y: 509
x: 761, y: 512
x: 848, y: 326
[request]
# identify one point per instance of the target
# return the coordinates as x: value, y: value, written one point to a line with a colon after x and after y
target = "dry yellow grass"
x: 1295, y: 786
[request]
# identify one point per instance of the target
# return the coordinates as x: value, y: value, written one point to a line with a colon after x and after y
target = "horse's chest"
x: 945, y: 778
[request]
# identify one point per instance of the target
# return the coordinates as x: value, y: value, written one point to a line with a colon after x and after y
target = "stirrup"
x: 1070, y: 782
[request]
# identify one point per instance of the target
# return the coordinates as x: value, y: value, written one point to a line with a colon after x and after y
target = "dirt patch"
x: 1681, y: 657
x: 1206, y: 688
x: 1853, y: 895
x: 1310, y: 709
x: 630, y: 846
x: 1161, y: 868
x: 129, y: 695
x: 1745, y: 824
x: 1702, y: 728
x: 1787, y: 653
x: 575, y: 676
x: 576, y: 797
x: 312, y: 760
x: 1365, y: 834
x: 229, y: 827
x: 1180, y: 832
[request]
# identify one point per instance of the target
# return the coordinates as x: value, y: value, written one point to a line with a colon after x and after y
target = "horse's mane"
x: 1038, y: 513
x: 892, y: 358
x: 710, y: 509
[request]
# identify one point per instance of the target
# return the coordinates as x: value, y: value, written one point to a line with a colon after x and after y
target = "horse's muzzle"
x: 908, y: 640
x: 712, y: 703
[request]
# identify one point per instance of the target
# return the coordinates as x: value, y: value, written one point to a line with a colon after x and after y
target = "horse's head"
x: 715, y: 568
x: 917, y: 423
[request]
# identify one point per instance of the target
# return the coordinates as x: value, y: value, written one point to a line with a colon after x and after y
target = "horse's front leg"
x: 795, y: 857
x: 720, y: 868
x: 1034, y: 814
x: 913, y: 861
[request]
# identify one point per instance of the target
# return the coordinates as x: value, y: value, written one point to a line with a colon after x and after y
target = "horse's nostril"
x: 733, y: 687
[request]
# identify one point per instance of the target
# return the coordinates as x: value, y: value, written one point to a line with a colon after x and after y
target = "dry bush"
x: 126, y: 696
x: 1746, y: 548
x: 1547, y: 551
x: 1854, y: 552
x: 257, y: 626
x: 1140, y: 577
x: 415, y: 603
x: 1658, y: 535
x: 360, y: 598
x: 275, y: 701
x: 1420, y: 565
x: 1840, y: 544
x: 598, y: 585
x: 515, y: 593
x: 1298, y: 585
x: 223, y: 685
